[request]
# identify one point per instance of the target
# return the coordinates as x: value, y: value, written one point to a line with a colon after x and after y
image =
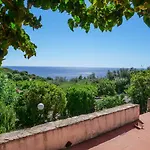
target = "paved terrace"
x: 125, y: 138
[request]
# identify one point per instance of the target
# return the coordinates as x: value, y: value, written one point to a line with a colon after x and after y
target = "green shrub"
x: 23, y: 73
x: 17, y: 77
x: 121, y: 84
x: 31, y: 94
x: 91, y: 76
x: 7, y: 117
x: 108, y: 102
x: 9, y: 75
x: 121, y: 73
x: 139, y: 89
x: 8, y: 92
x: 49, y: 78
x: 8, y: 96
x: 25, y: 77
x: 106, y: 87
x: 80, y: 99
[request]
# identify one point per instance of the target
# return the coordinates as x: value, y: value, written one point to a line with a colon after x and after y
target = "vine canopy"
x: 102, y: 14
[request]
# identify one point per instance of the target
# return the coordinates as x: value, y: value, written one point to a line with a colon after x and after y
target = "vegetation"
x: 7, y: 117
x: 8, y: 97
x: 109, y: 102
x: 106, y: 87
x: 80, y: 99
x: 20, y: 94
x: 139, y: 89
x: 8, y: 92
x: 33, y: 93
x: 121, y: 84
x: 15, y: 14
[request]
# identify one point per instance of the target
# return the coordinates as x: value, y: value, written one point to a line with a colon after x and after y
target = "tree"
x: 139, y: 89
x: 49, y: 78
x: 15, y: 71
x: 59, y: 80
x: 25, y: 77
x: 74, y: 80
x: 148, y: 68
x: 91, y: 76
x: 80, y: 99
x: 17, y: 77
x: 121, y: 84
x: 31, y: 94
x: 23, y: 73
x: 80, y: 77
x: 102, y: 14
x: 110, y: 75
x: 106, y: 87
x: 9, y: 75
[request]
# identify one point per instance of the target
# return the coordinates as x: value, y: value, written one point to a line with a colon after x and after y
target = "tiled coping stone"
x: 55, y: 135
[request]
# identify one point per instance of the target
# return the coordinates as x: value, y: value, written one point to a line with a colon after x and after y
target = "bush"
x: 91, y: 76
x: 59, y: 80
x: 17, y: 77
x: 7, y: 118
x: 33, y: 93
x: 15, y: 71
x: 25, y: 77
x: 8, y: 96
x: 23, y: 73
x: 121, y: 73
x: 139, y: 89
x: 106, y: 87
x: 9, y: 75
x: 121, y: 85
x: 8, y: 92
x: 109, y: 102
x: 80, y: 99
x: 49, y: 78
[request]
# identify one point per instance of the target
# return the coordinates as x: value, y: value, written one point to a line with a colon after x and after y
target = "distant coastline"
x: 68, y: 72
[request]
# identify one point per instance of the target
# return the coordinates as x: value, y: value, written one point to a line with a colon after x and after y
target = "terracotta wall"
x: 55, y: 135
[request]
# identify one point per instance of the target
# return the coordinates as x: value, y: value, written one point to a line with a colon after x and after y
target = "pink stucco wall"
x: 55, y: 135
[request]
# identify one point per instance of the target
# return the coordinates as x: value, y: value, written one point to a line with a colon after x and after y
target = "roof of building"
x: 127, y: 137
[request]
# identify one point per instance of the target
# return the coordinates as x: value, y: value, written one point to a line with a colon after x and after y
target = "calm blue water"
x: 68, y: 72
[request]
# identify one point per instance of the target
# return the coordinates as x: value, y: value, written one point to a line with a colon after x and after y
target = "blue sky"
x: 125, y: 46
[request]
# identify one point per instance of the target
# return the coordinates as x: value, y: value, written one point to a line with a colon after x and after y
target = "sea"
x: 68, y: 72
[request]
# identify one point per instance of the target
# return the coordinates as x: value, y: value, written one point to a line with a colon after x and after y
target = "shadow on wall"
x: 103, y: 138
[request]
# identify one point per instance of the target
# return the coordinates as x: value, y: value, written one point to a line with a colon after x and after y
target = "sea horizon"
x: 68, y: 72
x: 66, y: 66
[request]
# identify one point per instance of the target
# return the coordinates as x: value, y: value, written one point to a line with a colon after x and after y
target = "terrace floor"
x: 125, y: 138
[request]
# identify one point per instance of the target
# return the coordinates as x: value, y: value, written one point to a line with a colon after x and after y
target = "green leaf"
x: 54, y: 8
x: 101, y: 28
x: 147, y: 20
x: 129, y: 14
x: 77, y: 19
x: 87, y: 28
x: 1, y: 2
x: 81, y: 2
x: 94, y: 2
x: 71, y: 24
x: 120, y: 21
x: 61, y: 8
x: 66, y: 1
x: 12, y: 25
